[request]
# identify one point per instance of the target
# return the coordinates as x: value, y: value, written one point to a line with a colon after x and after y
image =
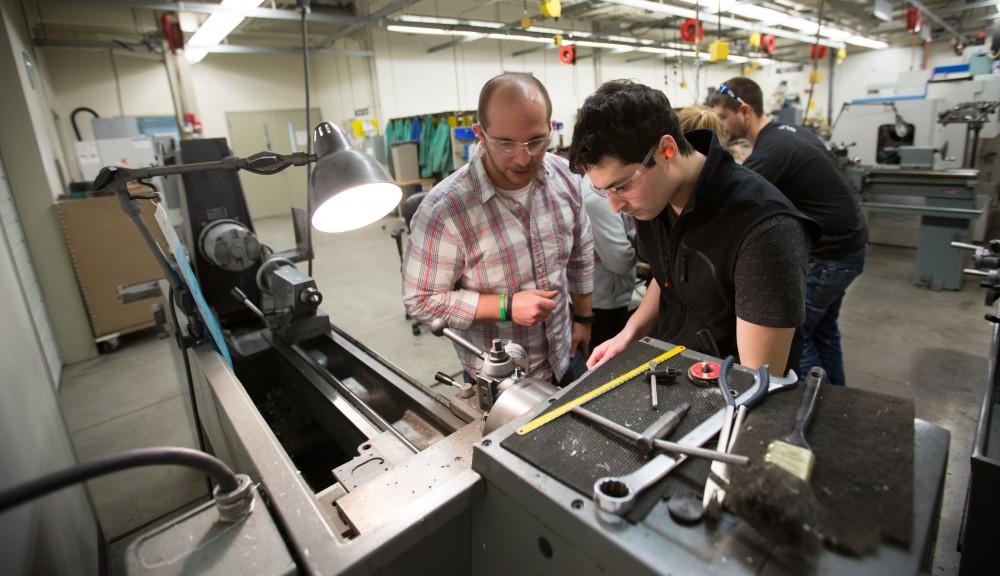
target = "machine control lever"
x: 242, y: 297
x: 439, y: 327
x: 464, y: 388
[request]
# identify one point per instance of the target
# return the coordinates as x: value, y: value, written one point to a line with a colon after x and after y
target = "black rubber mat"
x: 861, y: 490
x: 577, y: 452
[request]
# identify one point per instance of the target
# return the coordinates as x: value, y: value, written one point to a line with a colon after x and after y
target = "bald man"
x: 502, y: 248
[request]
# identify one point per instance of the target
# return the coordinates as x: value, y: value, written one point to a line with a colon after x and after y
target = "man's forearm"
x: 488, y: 309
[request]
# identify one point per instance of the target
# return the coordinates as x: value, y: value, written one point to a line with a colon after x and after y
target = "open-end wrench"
x: 617, y: 494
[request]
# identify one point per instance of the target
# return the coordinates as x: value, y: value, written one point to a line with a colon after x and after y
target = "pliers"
x: 718, y: 475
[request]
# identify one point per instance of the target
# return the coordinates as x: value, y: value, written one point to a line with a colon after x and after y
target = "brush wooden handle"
x: 809, y: 398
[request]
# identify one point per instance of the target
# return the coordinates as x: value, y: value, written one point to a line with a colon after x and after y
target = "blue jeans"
x: 826, y: 283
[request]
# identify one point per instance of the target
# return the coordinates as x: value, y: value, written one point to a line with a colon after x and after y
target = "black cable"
x: 182, y: 346
x: 72, y: 120
x: 304, y: 6
x: 217, y: 469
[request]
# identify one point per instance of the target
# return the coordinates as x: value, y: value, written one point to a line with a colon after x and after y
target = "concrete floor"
x: 900, y: 340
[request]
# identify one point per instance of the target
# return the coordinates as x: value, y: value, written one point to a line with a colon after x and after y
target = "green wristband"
x: 503, y: 306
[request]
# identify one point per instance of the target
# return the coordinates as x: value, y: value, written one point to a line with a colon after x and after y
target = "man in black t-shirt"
x: 796, y: 161
x: 728, y: 251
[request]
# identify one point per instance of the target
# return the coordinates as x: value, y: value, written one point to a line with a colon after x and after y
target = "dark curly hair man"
x: 728, y: 251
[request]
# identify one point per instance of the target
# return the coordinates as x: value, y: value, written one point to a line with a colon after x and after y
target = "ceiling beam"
x: 221, y: 48
x: 933, y: 16
x: 366, y: 21
x: 208, y: 8
x: 965, y: 7
x: 568, y: 12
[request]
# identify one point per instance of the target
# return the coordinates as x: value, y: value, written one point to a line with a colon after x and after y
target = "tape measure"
x: 552, y: 415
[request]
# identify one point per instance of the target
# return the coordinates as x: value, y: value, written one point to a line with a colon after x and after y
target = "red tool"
x: 704, y: 373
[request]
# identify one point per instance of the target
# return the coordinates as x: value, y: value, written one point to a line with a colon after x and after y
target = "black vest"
x: 693, y: 258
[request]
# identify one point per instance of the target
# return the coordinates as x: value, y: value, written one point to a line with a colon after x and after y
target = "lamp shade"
x: 349, y: 189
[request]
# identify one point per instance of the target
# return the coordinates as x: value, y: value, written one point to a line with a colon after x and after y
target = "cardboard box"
x: 107, y: 252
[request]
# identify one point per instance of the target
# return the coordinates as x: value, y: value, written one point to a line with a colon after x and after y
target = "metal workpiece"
x: 516, y: 400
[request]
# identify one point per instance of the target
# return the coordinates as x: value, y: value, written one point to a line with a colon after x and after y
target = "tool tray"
x: 577, y: 452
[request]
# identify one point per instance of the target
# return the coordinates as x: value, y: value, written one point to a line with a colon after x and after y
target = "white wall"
x: 86, y: 78
x: 56, y: 534
x: 32, y: 157
x: 343, y: 84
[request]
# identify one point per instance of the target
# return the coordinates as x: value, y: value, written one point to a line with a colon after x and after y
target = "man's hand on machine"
x: 608, y: 350
x: 529, y: 307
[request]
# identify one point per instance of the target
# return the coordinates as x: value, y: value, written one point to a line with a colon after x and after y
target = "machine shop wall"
x: 57, y: 534
x: 412, y: 81
x: 31, y: 153
x: 87, y: 78
x: 343, y: 84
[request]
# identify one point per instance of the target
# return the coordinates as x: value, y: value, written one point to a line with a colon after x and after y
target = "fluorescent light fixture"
x: 544, y: 30
x: 609, y: 45
x: 448, y: 21
x: 218, y: 25
x: 519, y: 38
x: 804, y: 29
x: 194, y: 55
x: 664, y: 51
x: 657, y: 7
x: 867, y: 42
x: 431, y: 31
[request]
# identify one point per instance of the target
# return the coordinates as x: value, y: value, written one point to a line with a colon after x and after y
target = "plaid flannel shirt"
x: 467, y: 239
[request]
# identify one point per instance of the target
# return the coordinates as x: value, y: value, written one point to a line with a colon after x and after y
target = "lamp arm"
x: 115, y: 179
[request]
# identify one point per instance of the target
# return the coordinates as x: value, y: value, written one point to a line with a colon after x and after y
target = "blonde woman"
x: 700, y: 117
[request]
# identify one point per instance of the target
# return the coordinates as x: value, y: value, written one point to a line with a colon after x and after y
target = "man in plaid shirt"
x: 502, y: 247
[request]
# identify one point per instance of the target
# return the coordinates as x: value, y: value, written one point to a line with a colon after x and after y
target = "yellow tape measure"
x: 552, y: 415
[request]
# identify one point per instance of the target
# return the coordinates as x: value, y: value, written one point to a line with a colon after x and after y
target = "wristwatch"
x: 588, y: 320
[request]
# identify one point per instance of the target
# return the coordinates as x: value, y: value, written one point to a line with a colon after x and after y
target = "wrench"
x: 617, y: 494
x: 642, y: 442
